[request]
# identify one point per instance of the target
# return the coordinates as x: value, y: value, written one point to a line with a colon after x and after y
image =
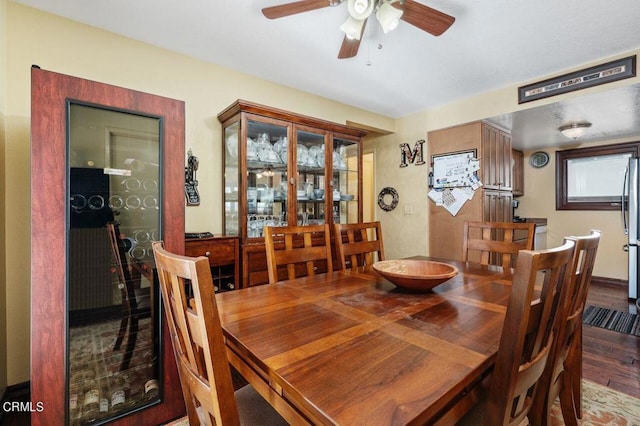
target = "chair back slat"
x: 495, y: 240
x: 301, y: 250
x: 196, y: 335
x: 357, y: 243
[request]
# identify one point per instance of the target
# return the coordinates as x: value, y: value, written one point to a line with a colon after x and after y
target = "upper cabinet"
x: 281, y: 169
x: 517, y: 173
x: 496, y: 158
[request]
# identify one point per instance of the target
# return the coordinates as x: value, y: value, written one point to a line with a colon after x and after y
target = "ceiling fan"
x: 388, y: 13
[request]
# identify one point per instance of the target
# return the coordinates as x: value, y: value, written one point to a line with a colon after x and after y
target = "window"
x: 592, y: 178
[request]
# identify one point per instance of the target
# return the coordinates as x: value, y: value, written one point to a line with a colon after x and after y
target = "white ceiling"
x: 492, y: 44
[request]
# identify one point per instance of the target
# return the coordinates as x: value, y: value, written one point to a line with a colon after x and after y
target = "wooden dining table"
x: 350, y: 348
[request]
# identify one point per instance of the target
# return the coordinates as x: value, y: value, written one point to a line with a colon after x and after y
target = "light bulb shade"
x: 574, y: 130
x: 360, y: 9
x: 352, y: 28
x: 388, y: 16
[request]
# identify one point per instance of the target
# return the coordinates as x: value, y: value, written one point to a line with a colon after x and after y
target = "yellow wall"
x: 408, y: 234
x: 67, y: 47
x: 3, y: 206
x: 539, y: 201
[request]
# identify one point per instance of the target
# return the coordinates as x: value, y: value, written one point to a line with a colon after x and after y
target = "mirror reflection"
x: 113, y: 216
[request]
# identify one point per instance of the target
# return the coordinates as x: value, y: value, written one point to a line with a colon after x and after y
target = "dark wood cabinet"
x: 496, y: 158
x: 283, y: 168
x: 224, y: 258
x: 517, y: 172
x: 58, y: 253
x: 497, y: 206
x: 493, y: 202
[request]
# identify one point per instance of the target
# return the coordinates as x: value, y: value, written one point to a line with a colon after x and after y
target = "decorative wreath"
x: 394, y: 199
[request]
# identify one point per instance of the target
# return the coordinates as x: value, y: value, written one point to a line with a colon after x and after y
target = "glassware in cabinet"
x: 347, y: 184
x: 310, y: 172
x: 285, y: 175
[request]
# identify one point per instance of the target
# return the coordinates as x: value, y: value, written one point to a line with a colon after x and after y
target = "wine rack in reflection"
x: 135, y: 203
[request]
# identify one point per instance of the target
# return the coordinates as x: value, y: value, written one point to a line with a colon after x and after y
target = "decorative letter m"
x: 407, y: 156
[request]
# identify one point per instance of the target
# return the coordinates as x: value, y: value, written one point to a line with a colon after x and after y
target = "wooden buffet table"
x: 349, y: 348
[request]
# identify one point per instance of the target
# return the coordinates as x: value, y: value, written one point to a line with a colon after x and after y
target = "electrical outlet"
x: 408, y: 209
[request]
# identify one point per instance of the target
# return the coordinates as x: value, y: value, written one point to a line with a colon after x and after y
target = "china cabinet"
x: 107, y: 177
x: 282, y: 168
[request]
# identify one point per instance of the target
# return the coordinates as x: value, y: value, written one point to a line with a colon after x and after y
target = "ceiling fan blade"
x: 292, y: 8
x: 350, y: 46
x: 423, y: 17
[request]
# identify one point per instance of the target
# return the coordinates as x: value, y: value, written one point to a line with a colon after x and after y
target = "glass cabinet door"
x: 311, y: 181
x: 267, y: 191
x: 231, y: 176
x: 345, y: 158
x: 114, y: 213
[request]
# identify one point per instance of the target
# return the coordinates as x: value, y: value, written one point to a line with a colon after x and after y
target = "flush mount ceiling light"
x: 574, y: 130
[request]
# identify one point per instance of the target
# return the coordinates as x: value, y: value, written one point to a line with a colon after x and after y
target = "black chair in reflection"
x: 136, y: 300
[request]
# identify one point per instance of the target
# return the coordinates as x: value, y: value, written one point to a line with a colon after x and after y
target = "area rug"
x: 601, y: 406
x: 622, y: 322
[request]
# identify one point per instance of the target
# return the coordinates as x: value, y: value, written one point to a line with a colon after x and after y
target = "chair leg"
x: 131, y: 343
x: 123, y: 329
x: 567, y: 403
x: 575, y: 373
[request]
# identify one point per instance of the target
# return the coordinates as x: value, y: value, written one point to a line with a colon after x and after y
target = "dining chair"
x: 505, y: 397
x: 303, y: 250
x: 563, y: 375
x: 496, y: 240
x: 356, y: 243
x: 199, y: 348
x: 136, y: 300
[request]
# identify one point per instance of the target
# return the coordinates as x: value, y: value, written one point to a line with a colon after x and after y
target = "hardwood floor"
x: 610, y: 358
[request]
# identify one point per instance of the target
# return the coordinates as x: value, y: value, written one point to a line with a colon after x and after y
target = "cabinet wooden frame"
x: 224, y: 258
x: 492, y: 203
x: 239, y: 115
x: 562, y: 175
x: 51, y: 93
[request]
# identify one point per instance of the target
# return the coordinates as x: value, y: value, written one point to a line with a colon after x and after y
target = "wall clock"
x: 539, y: 159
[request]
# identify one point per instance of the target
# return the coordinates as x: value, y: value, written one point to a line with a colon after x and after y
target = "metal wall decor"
x: 190, y: 182
x: 593, y: 76
x: 385, y: 193
x: 408, y: 156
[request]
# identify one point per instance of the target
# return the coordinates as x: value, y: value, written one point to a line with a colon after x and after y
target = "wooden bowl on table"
x: 414, y: 274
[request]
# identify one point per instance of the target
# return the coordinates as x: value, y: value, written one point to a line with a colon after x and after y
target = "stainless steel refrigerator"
x: 631, y: 221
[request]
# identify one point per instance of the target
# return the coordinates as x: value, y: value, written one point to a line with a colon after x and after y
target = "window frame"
x: 562, y: 159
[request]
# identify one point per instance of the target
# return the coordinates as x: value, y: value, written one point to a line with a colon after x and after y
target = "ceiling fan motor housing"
x: 360, y: 9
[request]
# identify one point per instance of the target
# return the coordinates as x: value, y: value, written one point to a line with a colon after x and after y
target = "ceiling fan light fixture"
x: 360, y: 9
x: 574, y: 130
x: 388, y: 16
x: 352, y: 28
